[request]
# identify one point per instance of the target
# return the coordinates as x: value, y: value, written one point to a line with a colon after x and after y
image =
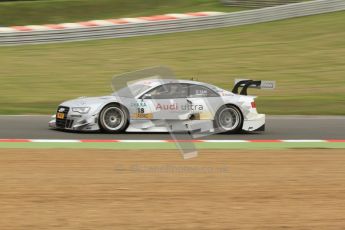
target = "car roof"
x: 157, y: 82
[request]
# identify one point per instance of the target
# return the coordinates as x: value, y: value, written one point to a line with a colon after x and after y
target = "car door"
x: 166, y: 101
x: 203, y: 101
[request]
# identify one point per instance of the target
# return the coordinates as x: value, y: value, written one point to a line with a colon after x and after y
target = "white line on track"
x: 54, y: 141
x: 226, y: 141
x: 303, y: 141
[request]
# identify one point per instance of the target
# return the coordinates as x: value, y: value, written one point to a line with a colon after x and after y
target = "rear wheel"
x: 114, y: 119
x: 228, y: 119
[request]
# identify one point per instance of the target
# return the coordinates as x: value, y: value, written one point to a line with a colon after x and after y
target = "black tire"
x: 228, y: 119
x: 113, y: 118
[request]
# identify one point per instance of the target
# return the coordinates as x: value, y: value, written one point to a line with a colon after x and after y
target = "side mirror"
x: 147, y: 96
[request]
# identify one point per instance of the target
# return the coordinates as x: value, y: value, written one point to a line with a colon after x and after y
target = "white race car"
x: 165, y: 105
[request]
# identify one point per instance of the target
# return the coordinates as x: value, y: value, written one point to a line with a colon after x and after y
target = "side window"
x: 200, y: 91
x: 169, y: 91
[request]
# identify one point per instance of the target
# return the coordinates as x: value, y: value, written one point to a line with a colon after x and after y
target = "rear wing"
x: 245, y: 84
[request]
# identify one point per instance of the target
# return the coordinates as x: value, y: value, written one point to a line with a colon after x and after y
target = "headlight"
x: 81, y: 109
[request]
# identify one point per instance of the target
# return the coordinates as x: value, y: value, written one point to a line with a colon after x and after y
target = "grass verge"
x: 304, y: 55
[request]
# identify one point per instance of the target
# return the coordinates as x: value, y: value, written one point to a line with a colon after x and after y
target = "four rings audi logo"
x: 61, y: 110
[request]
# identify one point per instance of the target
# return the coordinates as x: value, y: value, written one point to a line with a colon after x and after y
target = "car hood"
x: 89, y: 101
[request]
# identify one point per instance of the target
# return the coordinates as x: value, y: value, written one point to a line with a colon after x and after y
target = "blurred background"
x: 305, y: 55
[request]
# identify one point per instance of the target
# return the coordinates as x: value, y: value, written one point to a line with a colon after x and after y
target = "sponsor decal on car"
x: 60, y: 115
x: 177, y: 107
x: 138, y: 104
x: 142, y: 116
x: 61, y: 110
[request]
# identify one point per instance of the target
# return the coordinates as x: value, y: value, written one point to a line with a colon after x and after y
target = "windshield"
x: 131, y: 84
x: 132, y: 90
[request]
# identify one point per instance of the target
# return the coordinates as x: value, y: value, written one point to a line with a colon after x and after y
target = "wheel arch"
x: 237, y: 107
x: 231, y: 104
x: 105, y: 105
x: 114, y: 103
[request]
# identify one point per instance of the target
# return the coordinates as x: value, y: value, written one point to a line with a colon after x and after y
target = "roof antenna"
x: 197, y: 75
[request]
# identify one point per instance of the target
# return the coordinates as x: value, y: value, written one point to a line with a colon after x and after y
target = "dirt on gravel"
x: 220, y: 189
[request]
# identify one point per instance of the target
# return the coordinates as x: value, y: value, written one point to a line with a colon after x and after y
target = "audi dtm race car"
x: 165, y: 105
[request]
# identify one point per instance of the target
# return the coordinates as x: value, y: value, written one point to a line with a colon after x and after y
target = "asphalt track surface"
x: 277, y: 128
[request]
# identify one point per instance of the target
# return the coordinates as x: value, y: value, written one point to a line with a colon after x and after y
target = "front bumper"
x: 75, y: 122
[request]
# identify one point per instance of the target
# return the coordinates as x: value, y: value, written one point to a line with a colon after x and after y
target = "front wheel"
x: 228, y: 119
x: 113, y: 119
